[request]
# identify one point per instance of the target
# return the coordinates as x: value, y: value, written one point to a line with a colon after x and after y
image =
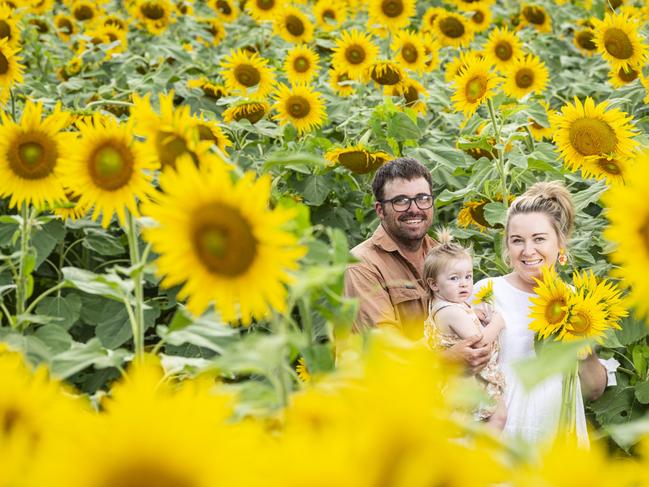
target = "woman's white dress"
x: 532, y: 415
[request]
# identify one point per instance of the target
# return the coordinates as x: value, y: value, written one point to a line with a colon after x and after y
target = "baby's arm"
x: 456, y: 319
x: 491, y: 331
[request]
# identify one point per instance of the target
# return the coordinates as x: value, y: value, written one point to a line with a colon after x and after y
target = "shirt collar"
x: 383, y: 240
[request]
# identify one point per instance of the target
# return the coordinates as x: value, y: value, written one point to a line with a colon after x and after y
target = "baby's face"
x: 455, y: 282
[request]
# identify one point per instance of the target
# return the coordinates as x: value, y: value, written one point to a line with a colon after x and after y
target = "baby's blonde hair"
x: 442, y: 254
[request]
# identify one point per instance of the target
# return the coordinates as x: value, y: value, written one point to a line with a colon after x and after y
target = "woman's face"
x: 532, y: 243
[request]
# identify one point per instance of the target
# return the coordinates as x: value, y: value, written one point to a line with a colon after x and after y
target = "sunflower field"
x: 182, y: 181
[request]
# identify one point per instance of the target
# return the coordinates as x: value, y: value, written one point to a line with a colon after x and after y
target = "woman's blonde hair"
x: 442, y: 254
x: 551, y: 198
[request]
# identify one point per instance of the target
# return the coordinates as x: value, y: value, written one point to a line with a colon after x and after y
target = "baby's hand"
x: 482, y: 316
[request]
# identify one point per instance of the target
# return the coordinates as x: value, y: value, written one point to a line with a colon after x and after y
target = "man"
x: 387, y: 280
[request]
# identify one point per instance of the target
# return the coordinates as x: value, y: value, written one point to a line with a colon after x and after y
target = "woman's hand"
x: 593, y: 377
x: 469, y: 353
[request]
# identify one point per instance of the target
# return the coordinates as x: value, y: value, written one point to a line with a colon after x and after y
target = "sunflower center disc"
x: 504, y: 51
x: 143, y: 474
x: 83, y: 12
x: 301, y: 65
x: 170, y: 147
x: 265, y: 4
x: 247, y: 75
x: 554, y: 312
x: 223, y: 240
x: 392, y: 8
x: 112, y: 167
x: 409, y: 53
x: 411, y: 96
x: 591, y: 137
x: 224, y: 7
x: 65, y: 26
x: 609, y: 166
x: 356, y: 161
x: 585, y: 40
x: 386, y: 75
x: 329, y: 15
x: 524, y: 78
x: 5, y: 30
x: 477, y: 213
x: 31, y: 153
x: 10, y: 419
x: 33, y: 158
x: 475, y: 88
x: 298, y: 106
x: 579, y: 323
x: 478, y: 17
x: 355, y: 54
x: 534, y: 15
x: 627, y: 75
x: 451, y: 27
x: 617, y: 43
x: 253, y: 113
x: 152, y: 11
x: 294, y: 25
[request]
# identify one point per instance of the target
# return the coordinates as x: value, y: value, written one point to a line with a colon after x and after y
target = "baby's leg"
x: 499, y: 417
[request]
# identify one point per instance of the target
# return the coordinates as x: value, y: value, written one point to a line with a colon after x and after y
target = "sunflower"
x: 227, y: 10
x: 354, y: 53
x: 65, y: 26
x: 301, y: 106
x: 40, y: 7
x: 618, y: 41
x: 584, y: 40
x: 472, y: 214
x: 473, y: 86
x: 292, y: 25
x: 116, y: 21
x: 211, y: 131
x: 628, y: 215
x: 263, y: 9
x: 471, y: 5
x: 486, y: 294
x: 583, y: 131
x: 252, y: 110
x: 11, y: 71
x: 70, y: 209
x: 84, y: 10
x: 108, y: 34
x: 330, y: 15
x: 30, y: 156
x: 539, y: 132
x: 587, y: 319
x: 247, y: 73
x: 302, y: 370
x: 108, y: 169
x: 410, y: 90
x: 525, y: 75
x: 301, y: 64
x: 428, y: 19
x: 549, y: 310
x: 169, y: 134
x: 155, y: 15
x: 623, y: 76
x: 431, y: 51
x: 536, y: 16
x: 392, y: 14
x: 605, y: 292
x: 357, y: 158
x: 453, y: 30
x: 410, y: 49
x: 480, y: 18
x: 386, y: 73
x: 215, y: 28
x: 502, y: 47
x: 341, y: 83
x: 8, y: 27
x: 219, y: 240
x: 209, y: 89
x: 645, y: 83
x: 461, y: 63
x: 613, y: 170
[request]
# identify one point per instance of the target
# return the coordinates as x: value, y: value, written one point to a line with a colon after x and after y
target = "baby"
x: 448, y: 271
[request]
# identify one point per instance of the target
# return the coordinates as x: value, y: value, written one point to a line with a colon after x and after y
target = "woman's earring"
x: 563, y: 258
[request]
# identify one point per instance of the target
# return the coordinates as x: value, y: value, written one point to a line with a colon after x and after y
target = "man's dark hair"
x: 400, y: 168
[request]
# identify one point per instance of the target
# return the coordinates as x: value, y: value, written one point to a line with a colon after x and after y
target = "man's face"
x: 406, y: 227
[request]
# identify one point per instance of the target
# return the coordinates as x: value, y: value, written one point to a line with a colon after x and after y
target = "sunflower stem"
x: 43, y: 295
x: 13, y: 104
x: 501, y: 165
x: 23, y: 273
x: 567, y: 415
x: 530, y: 139
x: 137, y: 322
x: 305, y: 312
x: 6, y: 313
x: 283, y: 379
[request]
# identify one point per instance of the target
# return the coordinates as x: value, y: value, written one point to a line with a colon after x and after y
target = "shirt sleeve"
x: 375, y: 306
x: 611, y: 366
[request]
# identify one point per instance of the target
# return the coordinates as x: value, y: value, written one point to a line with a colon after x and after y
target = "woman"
x: 538, y: 227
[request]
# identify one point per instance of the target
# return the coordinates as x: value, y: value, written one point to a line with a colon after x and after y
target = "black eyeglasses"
x: 402, y: 203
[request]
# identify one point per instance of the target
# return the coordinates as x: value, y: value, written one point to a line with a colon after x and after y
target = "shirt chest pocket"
x: 402, y: 294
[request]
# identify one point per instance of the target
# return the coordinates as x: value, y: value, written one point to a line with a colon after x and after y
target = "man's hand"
x: 469, y: 353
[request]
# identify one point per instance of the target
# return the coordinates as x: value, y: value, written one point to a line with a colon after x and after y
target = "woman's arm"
x: 593, y: 377
x: 492, y: 330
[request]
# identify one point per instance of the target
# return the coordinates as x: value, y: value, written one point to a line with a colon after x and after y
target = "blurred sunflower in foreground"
x: 221, y: 243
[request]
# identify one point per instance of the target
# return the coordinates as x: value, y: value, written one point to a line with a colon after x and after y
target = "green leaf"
x: 103, y: 242
x: 316, y: 190
x: 83, y: 355
x: 46, y: 238
x: 299, y: 161
x: 632, y: 331
x: 54, y: 337
x: 642, y: 392
x: 107, y: 285
x: 401, y: 127
x: 639, y: 360
x: 67, y: 308
x: 552, y: 358
x: 495, y: 213
x: 628, y: 434
x: 213, y: 335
